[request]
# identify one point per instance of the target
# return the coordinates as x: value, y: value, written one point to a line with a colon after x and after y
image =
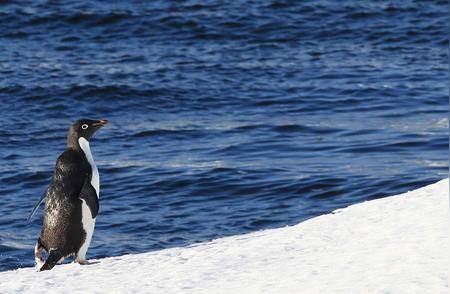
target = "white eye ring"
x: 84, y: 127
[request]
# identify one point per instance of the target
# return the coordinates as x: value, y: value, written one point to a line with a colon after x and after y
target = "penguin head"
x: 83, y: 128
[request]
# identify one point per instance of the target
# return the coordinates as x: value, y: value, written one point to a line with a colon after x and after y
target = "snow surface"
x: 392, y: 245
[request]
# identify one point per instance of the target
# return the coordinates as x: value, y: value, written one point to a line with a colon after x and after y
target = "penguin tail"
x: 53, y: 257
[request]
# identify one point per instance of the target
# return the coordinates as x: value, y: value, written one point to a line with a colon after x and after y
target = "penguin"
x: 72, y: 200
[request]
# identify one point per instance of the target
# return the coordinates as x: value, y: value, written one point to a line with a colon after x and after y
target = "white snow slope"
x: 392, y: 245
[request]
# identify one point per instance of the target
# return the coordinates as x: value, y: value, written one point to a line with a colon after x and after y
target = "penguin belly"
x: 88, y: 223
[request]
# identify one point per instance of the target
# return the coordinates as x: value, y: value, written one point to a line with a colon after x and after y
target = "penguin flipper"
x: 36, y: 206
x: 89, y: 195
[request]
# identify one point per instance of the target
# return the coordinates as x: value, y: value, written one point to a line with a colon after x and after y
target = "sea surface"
x: 226, y: 116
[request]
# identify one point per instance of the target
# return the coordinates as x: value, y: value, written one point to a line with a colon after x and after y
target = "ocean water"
x: 226, y: 116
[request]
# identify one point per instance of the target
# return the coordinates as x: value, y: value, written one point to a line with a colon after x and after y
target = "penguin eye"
x: 84, y: 127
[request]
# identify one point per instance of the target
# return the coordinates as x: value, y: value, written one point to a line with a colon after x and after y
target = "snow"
x: 398, y: 244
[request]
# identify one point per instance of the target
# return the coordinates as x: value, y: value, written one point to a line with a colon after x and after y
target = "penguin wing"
x: 89, y: 195
x: 36, y: 206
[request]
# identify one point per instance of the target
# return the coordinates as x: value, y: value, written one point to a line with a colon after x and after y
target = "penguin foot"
x: 85, y: 262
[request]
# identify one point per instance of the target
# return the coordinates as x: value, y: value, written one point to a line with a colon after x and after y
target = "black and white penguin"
x: 72, y: 200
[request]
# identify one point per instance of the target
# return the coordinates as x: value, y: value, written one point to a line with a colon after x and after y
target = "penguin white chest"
x: 86, y: 215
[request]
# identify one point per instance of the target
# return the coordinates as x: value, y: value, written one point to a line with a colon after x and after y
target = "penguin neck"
x: 72, y: 139
x: 73, y: 143
x: 81, y: 145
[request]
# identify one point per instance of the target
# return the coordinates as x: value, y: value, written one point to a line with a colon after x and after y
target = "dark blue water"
x: 225, y: 118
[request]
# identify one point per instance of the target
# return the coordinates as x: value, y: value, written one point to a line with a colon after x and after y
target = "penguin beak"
x: 101, y: 122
